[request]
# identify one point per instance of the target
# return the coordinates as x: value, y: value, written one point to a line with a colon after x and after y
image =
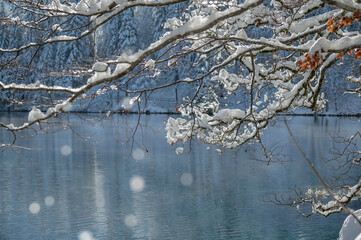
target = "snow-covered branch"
x: 269, y: 57
x: 319, y: 200
x: 230, y: 66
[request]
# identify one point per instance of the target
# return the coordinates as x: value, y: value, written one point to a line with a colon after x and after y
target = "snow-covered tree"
x: 119, y: 36
x: 270, y: 56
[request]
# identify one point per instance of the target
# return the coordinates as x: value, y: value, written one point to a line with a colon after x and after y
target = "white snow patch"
x: 35, y: 114
x: 100, y: 67
x: 179, y: 150
x: 121, y: 67
x: 227, y: 115
x: 56, y: 27
x: 61, y: 38
x: 301, y: 26
x: 63, y: 107
x: 50, y: 111
x: 127, y: 103
x: 351, y: 230
x: 150, y: 64
x: 134, y: 99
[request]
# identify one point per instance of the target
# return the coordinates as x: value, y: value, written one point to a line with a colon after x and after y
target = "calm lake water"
x: 71, y: 188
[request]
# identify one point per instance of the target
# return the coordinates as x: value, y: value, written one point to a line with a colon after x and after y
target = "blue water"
x: 221, y: 196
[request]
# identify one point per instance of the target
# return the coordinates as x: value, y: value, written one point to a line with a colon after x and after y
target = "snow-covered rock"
x: 351, y: 230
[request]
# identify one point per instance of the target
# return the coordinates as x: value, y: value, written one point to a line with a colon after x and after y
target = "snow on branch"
x: 268, y: 57
x: 235, y: 67
x: 318, y: 200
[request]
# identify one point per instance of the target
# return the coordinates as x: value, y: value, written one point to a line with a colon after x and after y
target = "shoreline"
x: 176, y: 113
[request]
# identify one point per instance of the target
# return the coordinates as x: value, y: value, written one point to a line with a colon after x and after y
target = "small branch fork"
x: 328, y: 190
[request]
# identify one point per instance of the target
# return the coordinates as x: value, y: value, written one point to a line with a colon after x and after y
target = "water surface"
x: 200, y: 194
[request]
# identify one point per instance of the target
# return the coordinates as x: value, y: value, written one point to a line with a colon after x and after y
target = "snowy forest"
x: 67, y: 64
x: 226, y: 68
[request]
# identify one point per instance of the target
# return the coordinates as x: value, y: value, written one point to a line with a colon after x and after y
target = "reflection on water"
x: 82, y: 189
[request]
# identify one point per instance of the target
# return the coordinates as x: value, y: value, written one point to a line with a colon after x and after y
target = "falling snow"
x: 65, y: 150
x: 186, y: 179
x: 85, y: 235
x: 136, y: 183
x: 131, y: 220
x: 138, y: 154
x: 34, y: 208
x: 49, y: 201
